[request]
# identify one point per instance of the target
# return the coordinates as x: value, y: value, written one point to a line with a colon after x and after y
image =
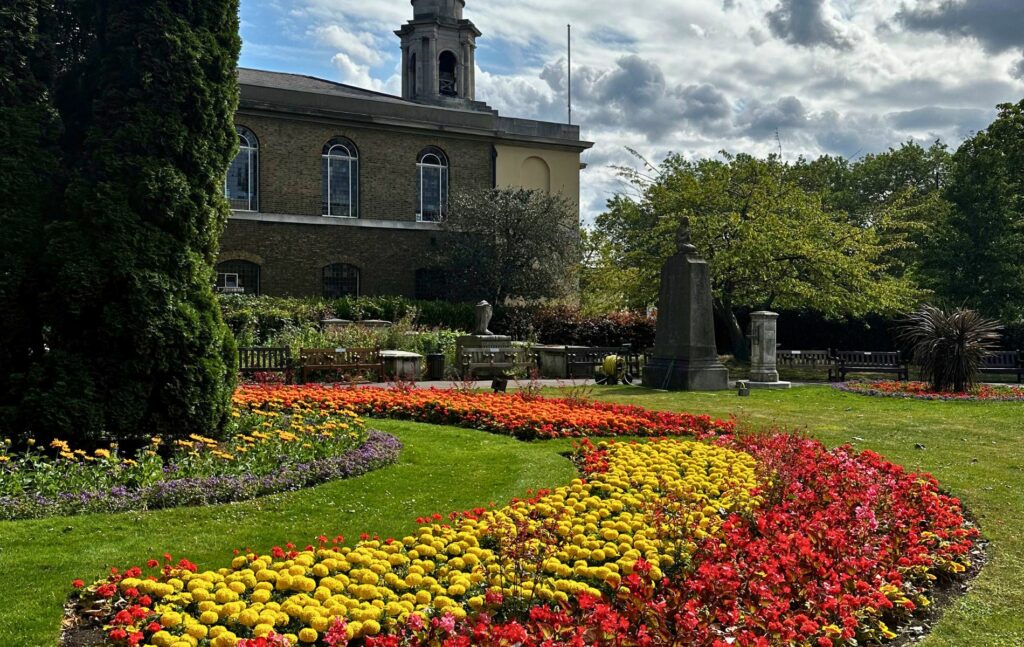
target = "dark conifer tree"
x: 29, y: 130
x: 135, y: 343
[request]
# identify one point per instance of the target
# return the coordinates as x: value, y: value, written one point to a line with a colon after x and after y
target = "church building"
x: 337, y: 190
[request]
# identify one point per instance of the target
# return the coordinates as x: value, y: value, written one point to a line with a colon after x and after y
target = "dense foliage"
x: 259, y: 321
x: 770, y: 241
x: 950, y: 346
x: 975, y: 256
x: 29, y: 129
x: 748, y: 540
x: 269, y: 321
x: 132, y: 339
x: 511, y: 243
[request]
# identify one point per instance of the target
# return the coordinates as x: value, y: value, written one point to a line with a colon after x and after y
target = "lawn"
x: 976, y: 450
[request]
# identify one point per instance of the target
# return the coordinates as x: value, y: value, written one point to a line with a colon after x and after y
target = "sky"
x: 695, y: 77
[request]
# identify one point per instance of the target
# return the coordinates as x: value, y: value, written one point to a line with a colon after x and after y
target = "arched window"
x: 238, y: 277
x: 340, y: 179
x: 241, y: 186
x: 339, y: 280
x: 431, y: 185
x: 447, y: 65
x: 431, y: 284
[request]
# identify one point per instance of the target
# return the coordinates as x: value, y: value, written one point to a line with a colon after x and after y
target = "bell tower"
x: 438, y: 53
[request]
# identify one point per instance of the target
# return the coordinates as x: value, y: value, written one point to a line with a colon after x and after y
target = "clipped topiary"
x: 134, y: 340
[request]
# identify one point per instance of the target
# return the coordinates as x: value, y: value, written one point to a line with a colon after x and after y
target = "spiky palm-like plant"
x: 949, y: 345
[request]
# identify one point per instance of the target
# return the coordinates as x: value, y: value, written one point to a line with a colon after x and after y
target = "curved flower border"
x: 378, y: 451
x: 919, y: 391
x: 522, y: 416
x: 843, y: 546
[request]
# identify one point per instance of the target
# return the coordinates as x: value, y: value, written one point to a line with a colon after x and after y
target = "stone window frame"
x: 241, y: 268
x: 328, y: 154
x: 343, y: 268
x: 444, y: 180
x: 248, y: 146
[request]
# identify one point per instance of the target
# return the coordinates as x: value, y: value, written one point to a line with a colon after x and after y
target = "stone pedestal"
x: 483, y: 346
x: 685, y: 356
x: 402, y: 365
x: 764, y: 372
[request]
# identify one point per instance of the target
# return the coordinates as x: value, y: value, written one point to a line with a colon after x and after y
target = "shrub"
x: 133, y: 340
x: 950, y: 345
x: 563, y: 324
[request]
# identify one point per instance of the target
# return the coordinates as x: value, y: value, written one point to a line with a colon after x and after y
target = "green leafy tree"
x: 29, y: 129
x: 135, y: 344
x: 511, y: 243
x: 769, y: 242
x: 975, y: 256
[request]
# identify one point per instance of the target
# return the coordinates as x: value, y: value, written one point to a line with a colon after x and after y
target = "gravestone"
x: 764, y: 373
x: 685, y: 356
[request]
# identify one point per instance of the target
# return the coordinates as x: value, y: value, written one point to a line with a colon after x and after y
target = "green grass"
x: 975, y: 449
x: 441, y: 469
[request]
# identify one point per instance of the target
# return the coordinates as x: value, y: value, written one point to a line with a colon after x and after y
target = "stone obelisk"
x: 685, y: 356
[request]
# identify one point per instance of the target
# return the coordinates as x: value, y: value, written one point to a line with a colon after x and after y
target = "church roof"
x: 303, y: 83
x: 280, y: 92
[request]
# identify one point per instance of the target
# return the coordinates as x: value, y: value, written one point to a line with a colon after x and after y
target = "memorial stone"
x: 685, y: 356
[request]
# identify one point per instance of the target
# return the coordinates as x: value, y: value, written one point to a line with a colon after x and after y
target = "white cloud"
x: 844, y: 77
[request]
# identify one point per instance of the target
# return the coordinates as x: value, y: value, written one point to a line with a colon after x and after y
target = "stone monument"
x: 484, y: 347
x: 764, y: 372
x: 685, y: 355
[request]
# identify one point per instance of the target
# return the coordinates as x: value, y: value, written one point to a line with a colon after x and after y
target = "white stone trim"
x: 328, y: 221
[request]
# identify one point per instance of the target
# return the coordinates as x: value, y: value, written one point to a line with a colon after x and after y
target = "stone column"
x: 465, y: 72
x: 429, y: 64
x: 471, y: 74
x: 764, y: 372
x: 406, y: 93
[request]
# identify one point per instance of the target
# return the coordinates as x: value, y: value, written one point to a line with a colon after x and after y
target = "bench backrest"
x: 264, y: 359
x: 804, y: 357
x: 481, y: 357
x: 1003, y: 359
x: 585, y: 360
x: 869, y: 358
x: 340, y: 357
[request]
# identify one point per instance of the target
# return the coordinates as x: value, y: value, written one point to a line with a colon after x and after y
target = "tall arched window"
x: 340, y: 179
x: 241, y: 186
x: 238, y: 277
x: 431, y: 185
x: 339, y: 280
x: 447, y: 65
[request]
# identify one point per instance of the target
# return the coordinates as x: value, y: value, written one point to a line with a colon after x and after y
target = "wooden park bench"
x: 352, y: 364
x: 816, y: 359
x: 586, y: 362
x: 492, y: 362
x: 253, y: 360
x: 1007, y: 362
x: 861, y: 361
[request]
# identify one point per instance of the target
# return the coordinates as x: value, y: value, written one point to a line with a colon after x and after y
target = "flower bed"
x: 747, y: 541
x: 522, y: 416
x: 271, y: 451
x: 922, y: 391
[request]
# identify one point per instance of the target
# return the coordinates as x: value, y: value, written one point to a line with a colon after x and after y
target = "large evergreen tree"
x: 975, y: 258
x: 135, y: 342
x: 29, y: 129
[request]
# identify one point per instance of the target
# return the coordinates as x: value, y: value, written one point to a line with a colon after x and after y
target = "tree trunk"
x: 737, y: 338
